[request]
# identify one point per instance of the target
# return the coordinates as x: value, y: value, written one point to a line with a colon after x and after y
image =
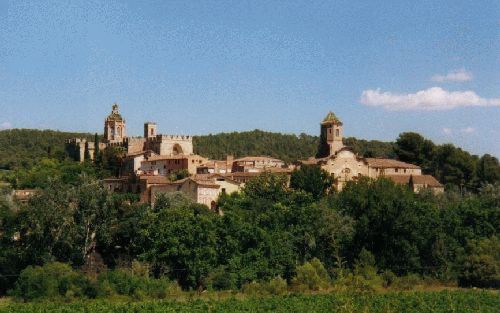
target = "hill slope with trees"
x: 457, y: 168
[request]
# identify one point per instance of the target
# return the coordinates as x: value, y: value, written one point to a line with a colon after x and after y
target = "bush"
x: 364, y: 276
x: 221, y: 279
x: 481, y: 267
x: 253, y: 289
x: 407, y: 282
x: 311, y: 276
x: 276, y: 286
x: 136, y: 283
x: 52, y: 280
x: 388, y: 278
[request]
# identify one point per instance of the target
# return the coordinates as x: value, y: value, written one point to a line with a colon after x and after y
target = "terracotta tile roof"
x: 257, y: 158
x: 174, y: 157
x: 154, y: 179
x: 427, y: 180
x: 200, y: 182
x: 388, y: 163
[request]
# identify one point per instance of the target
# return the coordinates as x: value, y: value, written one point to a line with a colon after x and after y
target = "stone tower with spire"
x: 331, y: 136
x: 114, y: 126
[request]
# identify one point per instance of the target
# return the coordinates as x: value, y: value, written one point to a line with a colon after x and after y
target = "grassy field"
x: 408, y: 302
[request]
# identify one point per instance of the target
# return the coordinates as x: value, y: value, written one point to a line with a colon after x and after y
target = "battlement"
x: 160, y: 138
x: 75, y: 140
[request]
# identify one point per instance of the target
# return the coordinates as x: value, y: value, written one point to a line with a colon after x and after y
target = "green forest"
x: 273, y: 239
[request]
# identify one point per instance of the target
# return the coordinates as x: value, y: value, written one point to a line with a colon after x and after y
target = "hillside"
x: 25, y: 147
x: 287, y: 147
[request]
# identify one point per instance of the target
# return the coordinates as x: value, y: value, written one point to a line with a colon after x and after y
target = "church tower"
x: 149, y: 130
x: 330, y: 137
x: 114, y: 126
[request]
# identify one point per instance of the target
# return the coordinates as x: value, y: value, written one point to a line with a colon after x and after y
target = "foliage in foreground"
x: 421, y: 302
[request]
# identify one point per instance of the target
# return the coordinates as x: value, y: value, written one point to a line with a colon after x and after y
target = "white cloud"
x: 460, y: 75
x: 432, y: 99
x: 5, y: 125
x: 468, y: 130
x: 447, y: 131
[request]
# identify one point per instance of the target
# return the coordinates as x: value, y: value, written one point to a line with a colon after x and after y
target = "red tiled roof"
x: 427, y: 180
x: 154, y: 179
x: 257, y: 158
x: 389, y: 163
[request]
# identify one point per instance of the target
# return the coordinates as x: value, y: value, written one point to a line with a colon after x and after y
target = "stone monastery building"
x: 115, y: 134
x: 150, y: 160
x: 345, y: 165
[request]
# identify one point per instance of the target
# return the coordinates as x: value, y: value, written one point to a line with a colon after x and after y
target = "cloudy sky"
x: 199, y: 67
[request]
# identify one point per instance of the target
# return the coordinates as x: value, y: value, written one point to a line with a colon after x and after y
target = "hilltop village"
x: 150, y: 161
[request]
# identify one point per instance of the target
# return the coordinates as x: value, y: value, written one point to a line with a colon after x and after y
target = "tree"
x: 453, y: 166
x: 415, y: 149
x: 311, y: 179
x: 488, y: 169
x: 181, y: 242
x: 391, y: 221
x: 481, y: 267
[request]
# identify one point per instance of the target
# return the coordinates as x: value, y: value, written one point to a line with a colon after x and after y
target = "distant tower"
x: 149, y: 130
x: 331, y: 136
x: 114, y: 126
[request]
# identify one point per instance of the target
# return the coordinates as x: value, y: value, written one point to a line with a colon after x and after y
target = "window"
x: 224, y: 190
x: 396, y: 170
x: 337, y: 132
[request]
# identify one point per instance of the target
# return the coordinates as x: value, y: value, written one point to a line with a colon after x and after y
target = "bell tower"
x: 149, y: 130
x: 331, y: 136
x: 114, y: 126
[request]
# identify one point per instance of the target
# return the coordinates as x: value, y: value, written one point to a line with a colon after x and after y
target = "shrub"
x: 52, y: 280
x: 481, y: 267
x: 407, y: 282
x: 276, y: 286
x: 388, y: 278
x: 253, y: 289
x: 221, y: 279
x: 311, y: 276
x: 136, y: 283
x: 364, y: 276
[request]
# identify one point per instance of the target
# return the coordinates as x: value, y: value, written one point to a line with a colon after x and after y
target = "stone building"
x: 203, y: 189
x: 115, y: 135
x: 345, y: 165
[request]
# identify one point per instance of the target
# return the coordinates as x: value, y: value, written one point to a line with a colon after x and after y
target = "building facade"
x: 345, y: 165
x: 115, y: 135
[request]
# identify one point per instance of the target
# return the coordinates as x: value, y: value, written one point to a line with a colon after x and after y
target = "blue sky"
x: 199, y: 67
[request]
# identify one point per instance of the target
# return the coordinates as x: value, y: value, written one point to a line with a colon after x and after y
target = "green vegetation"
x: 458, y: 169
x: 273, y: 238
x: 421, y: 302
x: 372, y: 235
x: 287, y: 147
x: 26, y: 147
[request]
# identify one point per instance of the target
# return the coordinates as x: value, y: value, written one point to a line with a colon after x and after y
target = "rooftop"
x: 115, y: 115
x: 331, y: 118
x: 426, y: 180
x: 389, y: 163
